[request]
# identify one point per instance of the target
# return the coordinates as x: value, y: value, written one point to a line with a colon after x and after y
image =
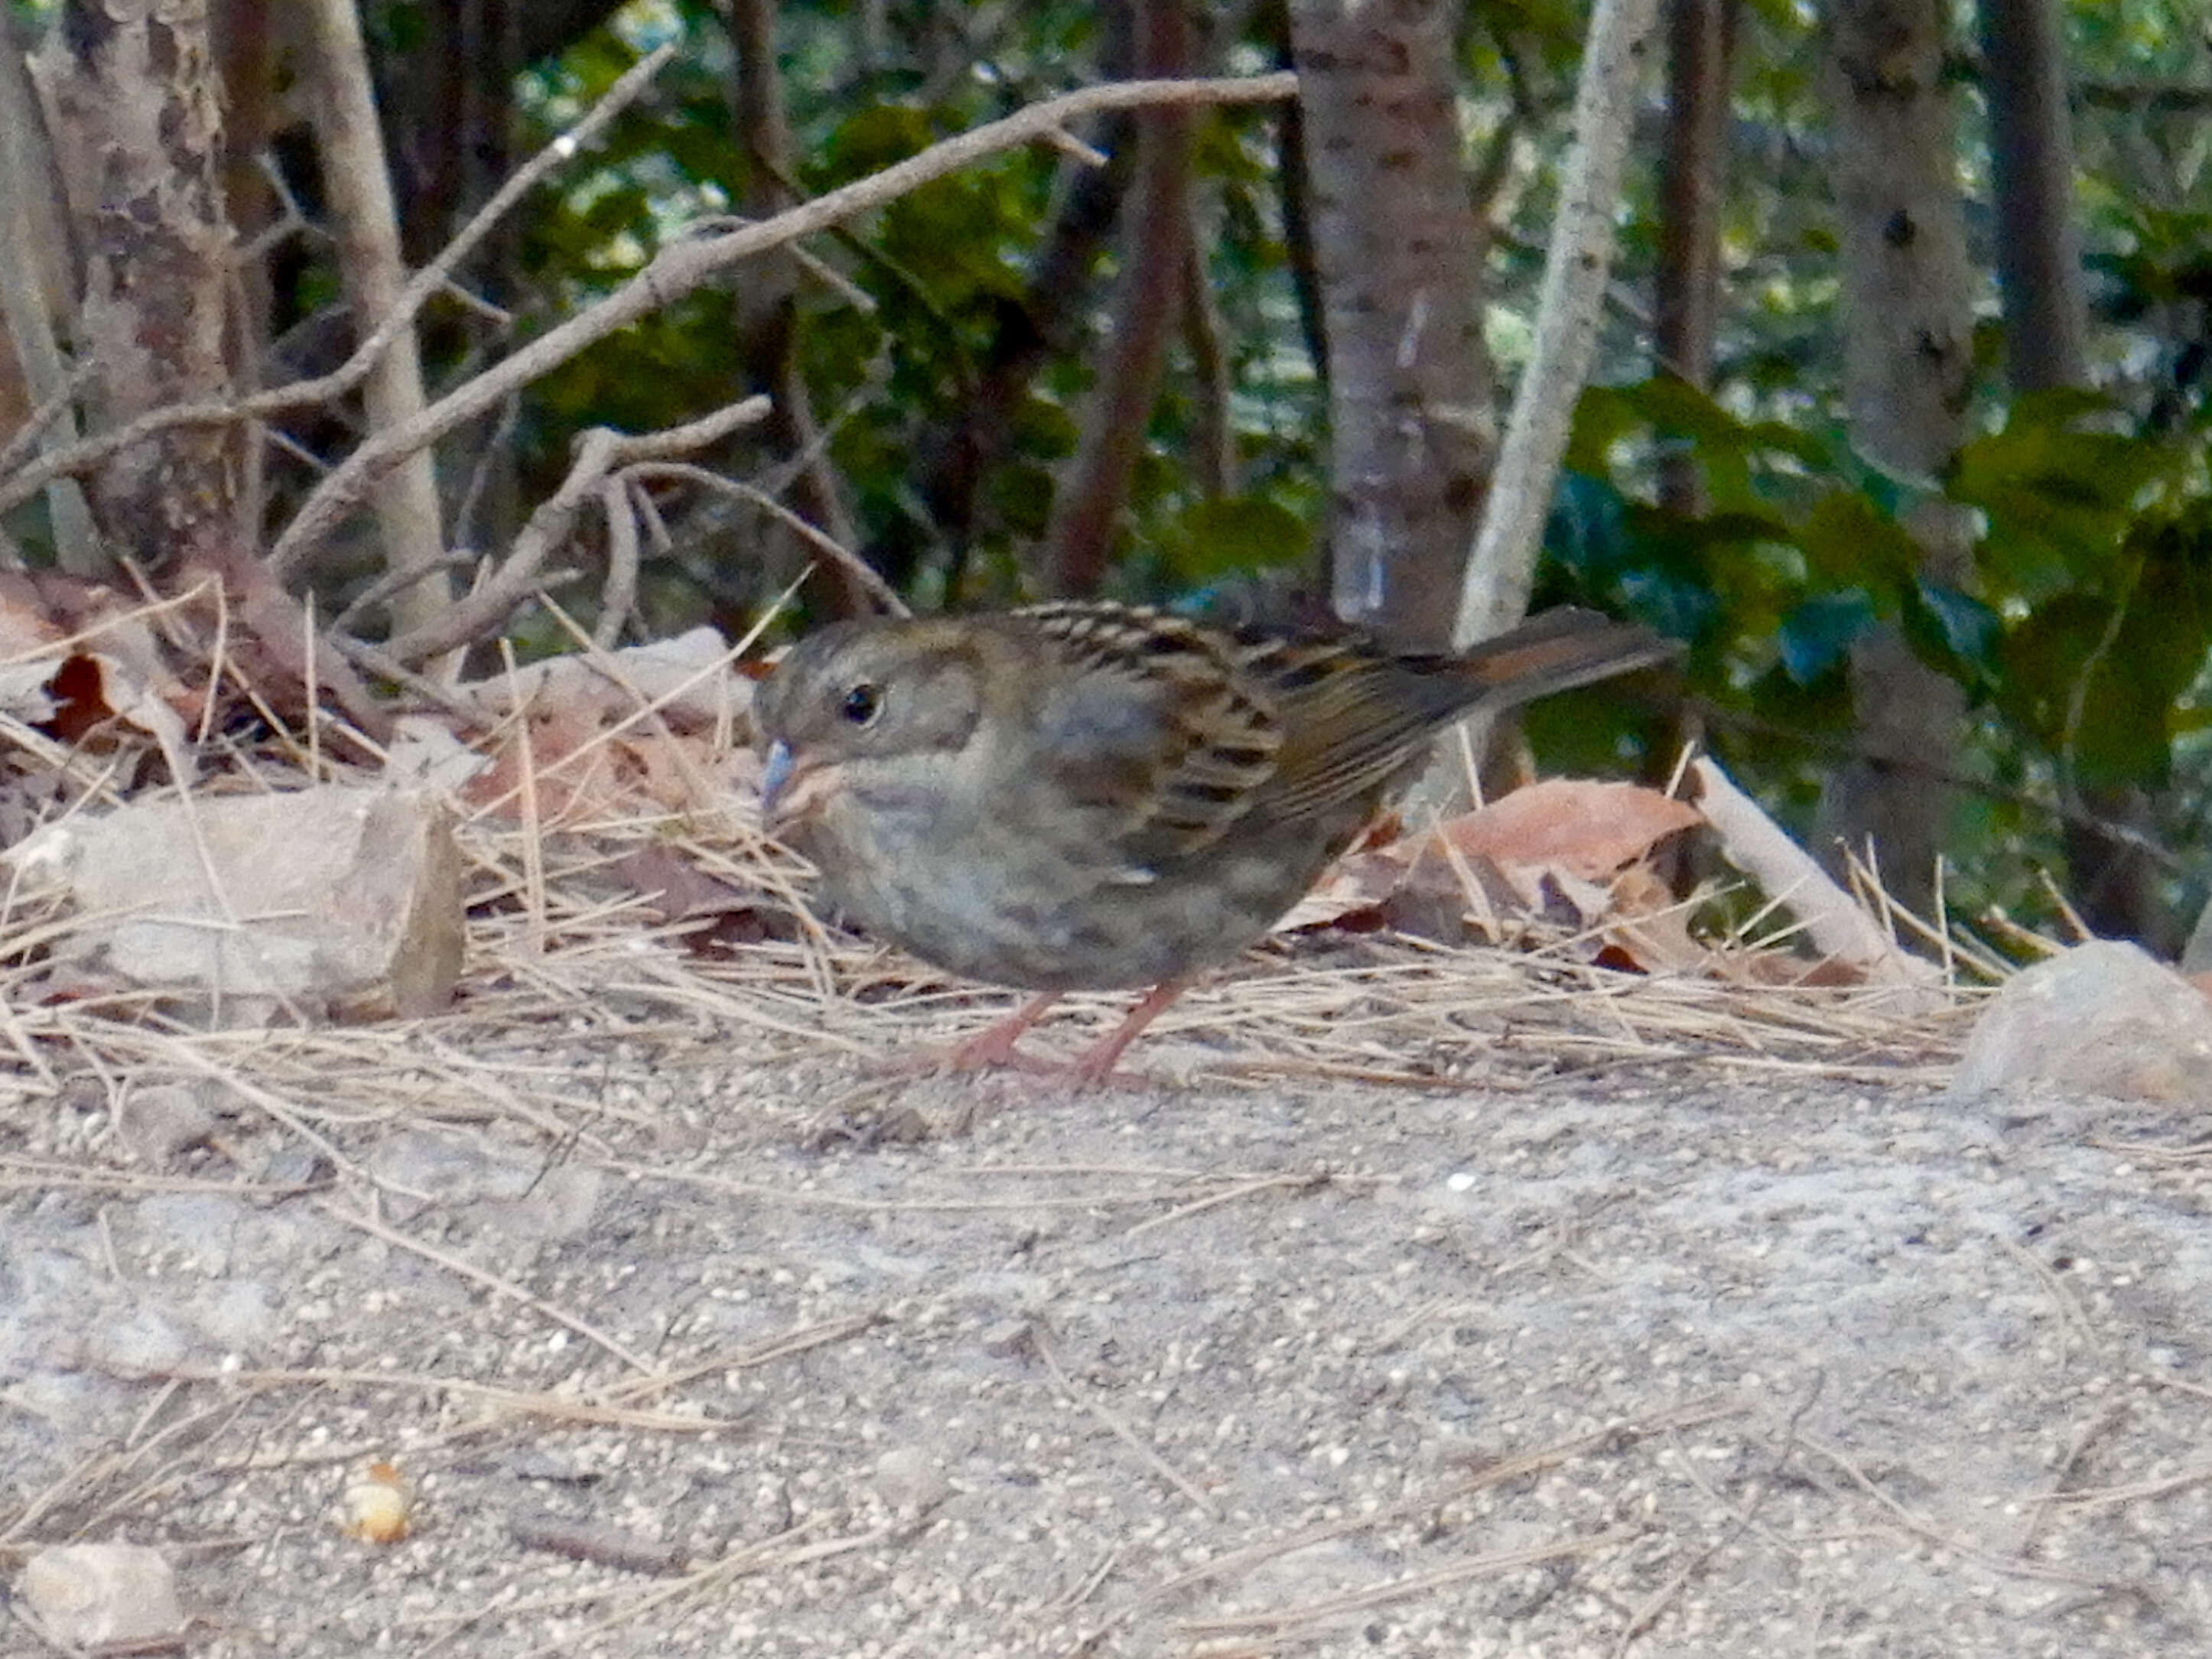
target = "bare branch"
x: 619, y: 597
x: 390, y: 582
x: 679, y: 270
x: 862, y: 573
x: 375, y: 659
x: 599, y: 451
x: 359, y: 183
x: 54, y: 408
x: 432, y: 278
x: 1576, y: 268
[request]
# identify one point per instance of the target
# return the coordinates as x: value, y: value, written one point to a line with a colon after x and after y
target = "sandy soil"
x: 1703, y: 1360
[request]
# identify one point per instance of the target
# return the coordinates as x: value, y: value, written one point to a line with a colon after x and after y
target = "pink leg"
x: 995, y: 1045
x: 1096, y: 1063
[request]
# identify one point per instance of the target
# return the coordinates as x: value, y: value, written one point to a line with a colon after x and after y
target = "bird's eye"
x: 862, y: 704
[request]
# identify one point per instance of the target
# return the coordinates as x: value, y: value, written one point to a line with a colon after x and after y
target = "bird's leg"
x: 995, y: 1045
x: 1096, y: 1063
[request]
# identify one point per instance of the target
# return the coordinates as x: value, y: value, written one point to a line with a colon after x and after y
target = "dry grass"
x: 561, y: 953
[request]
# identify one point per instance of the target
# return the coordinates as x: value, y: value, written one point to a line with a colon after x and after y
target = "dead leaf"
x: 1578, y: 824
x: 1650, y: 929
x: 1550, y: 850
x: 267, y: 632
x: 79, y: 698
x: 678, y: 890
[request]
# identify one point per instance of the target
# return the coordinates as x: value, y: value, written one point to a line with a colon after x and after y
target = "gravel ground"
x: 1712, y: 1362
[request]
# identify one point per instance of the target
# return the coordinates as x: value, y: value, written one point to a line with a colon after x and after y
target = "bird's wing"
x: 1165, y: 732
x: 1353, y: 714
x: 1153, y: 732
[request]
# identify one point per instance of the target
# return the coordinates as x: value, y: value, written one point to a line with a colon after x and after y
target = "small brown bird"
x: 1092, y: 796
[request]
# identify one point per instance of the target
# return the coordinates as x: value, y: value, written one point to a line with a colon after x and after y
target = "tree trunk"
x: 767, y: 304
x: 954, y: 458
x: 367, y: 227
x: 2046, y: 315
x: 136, y: 103
x: 1087, y: 504
x: 38, y: 295
x: 448, y: 100
x: 1578, y: 265
x: 1294, y: 186
x: 1693, y: 185
x: 1908, y: 367
x: 2046, y: 327
x: 1399, y: 251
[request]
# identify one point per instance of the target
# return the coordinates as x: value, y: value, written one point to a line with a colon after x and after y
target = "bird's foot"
x: 998, y: 1045
x: 1094, y: 1066
x: 994, y: 1046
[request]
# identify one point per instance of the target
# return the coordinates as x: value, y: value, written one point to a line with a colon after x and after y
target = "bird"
x: 1089, y: 795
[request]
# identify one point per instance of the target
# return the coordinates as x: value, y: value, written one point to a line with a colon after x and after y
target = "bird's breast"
x: 994, y: 902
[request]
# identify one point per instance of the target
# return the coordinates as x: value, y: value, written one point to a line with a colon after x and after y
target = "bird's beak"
x: 777, y: 778
x: 793, y: 788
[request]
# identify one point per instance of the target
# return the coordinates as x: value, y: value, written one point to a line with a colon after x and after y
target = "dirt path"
x: 1721, y: 1363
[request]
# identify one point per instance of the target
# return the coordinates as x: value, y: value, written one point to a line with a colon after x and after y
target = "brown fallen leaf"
x: 1553, y: 849
x: 614, y: 733
x: 676, y: 888
x: 1579, y: 824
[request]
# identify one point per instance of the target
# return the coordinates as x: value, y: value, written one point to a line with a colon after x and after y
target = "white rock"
x: 330, y: 900
x: 2101, y: 1019
x: 90, y: 1595
x: 909, y: 1480
x: 689, y: 675
x: 160, y: 1121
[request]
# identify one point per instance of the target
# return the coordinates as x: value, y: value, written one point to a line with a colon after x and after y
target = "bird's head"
x: 876, y: 710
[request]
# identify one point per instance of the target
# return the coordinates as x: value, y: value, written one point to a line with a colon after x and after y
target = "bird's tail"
x: 1556, y: 651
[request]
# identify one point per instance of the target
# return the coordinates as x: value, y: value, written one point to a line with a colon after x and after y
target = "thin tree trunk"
x: 2046, y: 327
x: 367, y: 225
x: 1577, y: 264
x: 35, y: 296
x: 1272, y: 22
x: 249, y: 44
x: 1908, y: 367
x: 1213, y: 448
x: 1400, y: 250
x: 767, y: 311
x: 448, y: 83
x: 1087, y: 505
x: 1693, y: 186
x: 137, y: 102
x: 954, y: 459
x: 2047, y: 311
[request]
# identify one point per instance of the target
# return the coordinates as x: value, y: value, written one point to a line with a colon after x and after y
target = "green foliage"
x: 2096, y: 675
x: 1209, y: 542
x: 942, y: 276
x: 2058, y: 494
x: 2078, y: 631
x: 2088, y: 624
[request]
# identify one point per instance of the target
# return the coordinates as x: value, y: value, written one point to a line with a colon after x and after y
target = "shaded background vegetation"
x: 937, y: 366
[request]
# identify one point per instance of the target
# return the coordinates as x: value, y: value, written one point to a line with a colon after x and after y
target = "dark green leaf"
x: 1815, y: 636
x: 1848, y: 539
x: 1234, y: 536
